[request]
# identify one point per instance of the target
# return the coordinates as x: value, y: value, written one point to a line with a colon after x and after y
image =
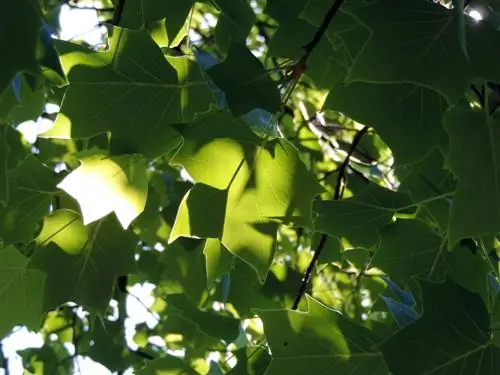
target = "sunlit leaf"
x: 82, y: 262
x: 107, y: 92
x: 319, y: 340
x: 103, y: 184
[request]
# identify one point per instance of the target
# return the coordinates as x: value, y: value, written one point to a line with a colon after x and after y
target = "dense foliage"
x: 312, y: 186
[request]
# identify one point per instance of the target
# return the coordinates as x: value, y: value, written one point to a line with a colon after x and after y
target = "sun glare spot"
x: 476, y: 15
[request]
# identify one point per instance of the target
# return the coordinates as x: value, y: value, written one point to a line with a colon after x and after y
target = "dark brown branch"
x: 337, y: 195
x: 309, y: 47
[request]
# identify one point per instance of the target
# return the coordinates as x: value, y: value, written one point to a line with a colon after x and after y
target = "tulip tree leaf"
x: 22, y: 291
x: 31, y: 189
x: 406, y: 116
x: 245, y: 82
x: 427, y: 257
x: 359, y: 218
x: 401, y: 50
x: 82, y: 262
x: 131, y: 90
x: 244, y: 185
x: 451, y: 337
x: 218, y: 259
x: 102, y: 185
x: 235, y: 21
x: 474, y: 157
x: 142, y: 13
x: 19, y: 28
x: 319, y: 340
x: 28, y: 106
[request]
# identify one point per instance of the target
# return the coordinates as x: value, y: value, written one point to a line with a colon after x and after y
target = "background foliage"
x: 308, y: 185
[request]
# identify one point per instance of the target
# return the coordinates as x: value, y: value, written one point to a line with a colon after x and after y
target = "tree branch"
x: 309, y: 47
x: 336, y: 196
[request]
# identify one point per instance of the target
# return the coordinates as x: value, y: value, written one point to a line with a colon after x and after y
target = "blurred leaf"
x: 20, y: 22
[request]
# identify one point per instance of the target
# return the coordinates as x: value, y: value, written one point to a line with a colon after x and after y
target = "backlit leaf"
x: 103, y: 184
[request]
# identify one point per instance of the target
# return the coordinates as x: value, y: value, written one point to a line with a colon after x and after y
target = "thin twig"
x: 337, y: 195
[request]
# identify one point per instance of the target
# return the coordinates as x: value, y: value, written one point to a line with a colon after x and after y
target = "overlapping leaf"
x: 103, y: 184
x: 246, y: 185
x: 407, y: 117
x: 402, y: 50
x: 82, y: 262
x: 319, y: 341
x: 142, y: 13
x: 245, y: 82
x: 474, y: 157
x: 359, y: 218
x: 20, y: 22
x: 21, y: 293
x: 131, y: 90
x: 31, y: 188
x: 236, y: 18
x: 426, y: 256
x: 28, y: 105
x: 452, y: 336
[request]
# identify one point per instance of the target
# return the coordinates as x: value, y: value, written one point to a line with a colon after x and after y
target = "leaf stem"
x: 336, y: 196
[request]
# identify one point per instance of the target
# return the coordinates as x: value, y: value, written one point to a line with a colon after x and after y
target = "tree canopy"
x: 307, y: 186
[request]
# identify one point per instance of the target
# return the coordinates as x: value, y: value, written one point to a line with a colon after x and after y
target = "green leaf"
x: 293, y: 33
x: 28, y: 107
x: 426, y: 181
x: 168, y: 365
x: 473, y: 157
x: 427, y: 257
x: 208, y: 323
x: 406, y: 116
x: 251, y: 361
x: 359, y: 218
x: 82, y: 262
x: 264, y: 181
x: 245, y: 82
x: 109, y: 347
x: 31, y: 188
x: 20, y: 22
x: 235, y: 20
x: 142, y: 13
x: 319, y: 340
x: 107, y: 92
x: 401, y: 50
x: 103, y: 184
x: 21, y: 292
x: 219, y: 260
x: 451, y: 337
